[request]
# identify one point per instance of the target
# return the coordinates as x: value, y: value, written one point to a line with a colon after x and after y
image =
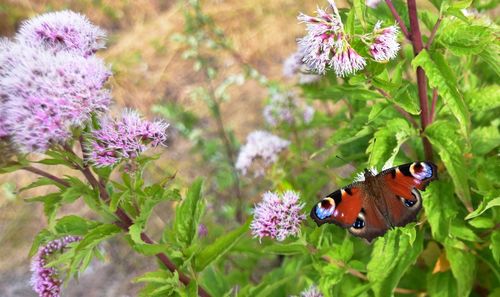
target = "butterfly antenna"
x: 346, y: 162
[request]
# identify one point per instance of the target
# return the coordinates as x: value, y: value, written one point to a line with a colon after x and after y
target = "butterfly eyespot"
x: 360, y: 222
x: 421, y: 170
x: 409, y: 203
x: 325, y: 208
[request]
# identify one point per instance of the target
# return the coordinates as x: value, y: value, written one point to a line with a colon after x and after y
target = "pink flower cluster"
x: 327, y: 46
x: 124, y: 138
x: 385, y: 45
x: 286, y: 108
x: 277, y: 216
x: 260, y: 151
x: 45, y: 280
x: 48, y: 87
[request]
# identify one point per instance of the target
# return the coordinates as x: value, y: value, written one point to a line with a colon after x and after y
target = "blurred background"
x: 149, y: 70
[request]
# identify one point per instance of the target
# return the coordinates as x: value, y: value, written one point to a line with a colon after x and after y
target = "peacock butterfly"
x: 376, y: 202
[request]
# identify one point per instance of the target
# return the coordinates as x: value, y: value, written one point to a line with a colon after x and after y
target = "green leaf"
x: 449, y: 146
x: 350, y: 22
x: 462, y: 38
x: 463, y: 265
x: 73, y: 225
x: 490, y: 55
x: 495, y: 245
x: 97, y: 235
x: 292, y: 248
x: 442, y: 284
x: 188, y: 214
x: 220, y: 247
x: 360, y: 10
x: 406, y: 98
x: 484, y: 206
x: 484, y: 99
x: 391, y: 257
x: 441, y: 77
x: 485, y: 139
x: 482, y: 223
x: 40, y: 238
x: 440, y: 208
x: 155, y: 196
x: 387, y: 140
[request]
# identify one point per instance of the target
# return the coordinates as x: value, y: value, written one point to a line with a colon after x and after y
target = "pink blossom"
x: 124, y: 138
x: 385, y: 44
x: 277, y: 216
x: 45, y: 280
x: 62, y: 31
x: 260, y: 151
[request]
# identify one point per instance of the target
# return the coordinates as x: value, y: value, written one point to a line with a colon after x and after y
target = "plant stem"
x: 433, y: 32
x: 398, y: 19
x: 47, y: 175
x: 418, y: 46
x: 215, y: 108
x: 398, y: 108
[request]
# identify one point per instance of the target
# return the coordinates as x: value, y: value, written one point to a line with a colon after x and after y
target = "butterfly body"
x: 378, y: 202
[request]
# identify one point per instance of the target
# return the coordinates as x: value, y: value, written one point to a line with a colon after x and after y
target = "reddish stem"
x: 433, y: 32
x: 47, y: 175
x: 416, y: 40
x: 398, y: 108
x: 398, y: 19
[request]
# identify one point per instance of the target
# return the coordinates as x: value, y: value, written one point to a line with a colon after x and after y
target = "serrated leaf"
x: 442, y: 284
x: 406, y: 98
x: 73, y: 225
x: 485, y: 139
x: 145, y: 212
x: 441, y: 77
x: 463, y: 266
x: 482, y: 223
x: 188, y: 214
x: 484, y: 206
x: 391, y: 257
x: 97, y: 235
x: 440, y: 208
x: 387, y: 140
x: 449, y: 146
x: 40, y: 238
x: 221, y: 246
x: 462, y: 38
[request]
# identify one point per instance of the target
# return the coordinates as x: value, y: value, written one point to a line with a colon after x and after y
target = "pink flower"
x: 43, y: 94
x: 327, y: 46
x: 277, y: 216
x: 286, y: 108
x: 260, y: 151
x: 373, y: 3
x: 62, y: 31
x: 311, y: 292
x: 347, y: 61
x: 124, y: 138
x: 45, y: 280
x: 385, y: 44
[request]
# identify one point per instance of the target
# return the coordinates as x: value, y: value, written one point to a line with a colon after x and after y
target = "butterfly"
x: 377, y: 202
